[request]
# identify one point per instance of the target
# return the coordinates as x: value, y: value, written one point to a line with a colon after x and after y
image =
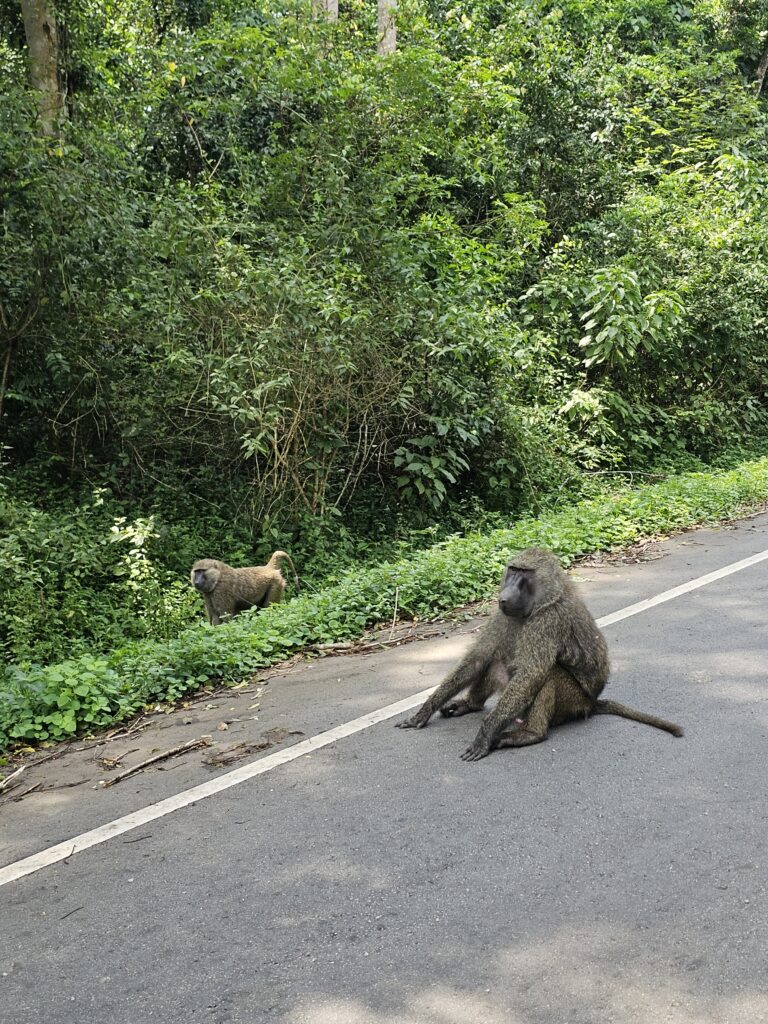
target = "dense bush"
x: 263, y: 265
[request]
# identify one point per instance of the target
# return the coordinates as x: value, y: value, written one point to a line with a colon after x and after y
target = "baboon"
x: 542, y: 651
x: 227, y: 591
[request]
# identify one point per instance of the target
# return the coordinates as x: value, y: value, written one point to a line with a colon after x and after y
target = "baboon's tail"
x: 610, y: 707
x: 275, y: 563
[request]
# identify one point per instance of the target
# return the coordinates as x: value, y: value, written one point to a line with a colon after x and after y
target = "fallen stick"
x: 67, y: 785
x: 8, y: 778
x: 202, y: 741
x: 116, y: 734
x: 71, y: 912
x: 394, y: 613
x: 136, y: 727
x: 48, y: 757
x: 25, y: 792
x: 370, y: 646
x: 113, y: 762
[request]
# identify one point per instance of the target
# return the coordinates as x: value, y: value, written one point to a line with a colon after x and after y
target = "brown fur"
x: 227, y: 591
x: 545, y: 656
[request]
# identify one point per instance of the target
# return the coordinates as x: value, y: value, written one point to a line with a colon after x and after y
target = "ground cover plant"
x: 56, y: 701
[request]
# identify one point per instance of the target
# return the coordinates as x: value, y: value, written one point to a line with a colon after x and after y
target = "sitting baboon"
x: 227, y: 591
x: 542, y: 650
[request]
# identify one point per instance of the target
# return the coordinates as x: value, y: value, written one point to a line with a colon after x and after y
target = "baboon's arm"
x: 535, y: 657
x: 213, y: 615
x: 465, y: 673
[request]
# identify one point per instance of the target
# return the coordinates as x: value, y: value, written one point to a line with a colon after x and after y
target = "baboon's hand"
x: 479, y: 749
x: 417, y: 721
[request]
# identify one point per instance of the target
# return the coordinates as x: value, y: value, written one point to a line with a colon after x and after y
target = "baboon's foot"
x: 520, y: 738
x: 457, y: 708
x: 417, y: 721
x: 479, y: 749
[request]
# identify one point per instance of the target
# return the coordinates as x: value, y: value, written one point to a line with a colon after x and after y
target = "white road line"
x: 63, y: 851
x: 684, y: 588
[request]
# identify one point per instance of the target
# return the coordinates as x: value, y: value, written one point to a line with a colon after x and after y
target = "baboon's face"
x: 518, y: 590
x: 204, y: 580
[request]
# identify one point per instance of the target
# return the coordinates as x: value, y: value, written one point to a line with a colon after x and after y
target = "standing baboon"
x: 227, y: 591
x: 542, y: 650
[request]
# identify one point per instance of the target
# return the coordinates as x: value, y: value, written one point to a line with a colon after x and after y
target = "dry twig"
x: 25, y: 792
x: 113, y: 762
x: 9, y: 778
x: 202, y: 741
x: 394, y: 613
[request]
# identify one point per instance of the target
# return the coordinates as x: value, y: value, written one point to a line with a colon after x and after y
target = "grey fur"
x: 545, y: 655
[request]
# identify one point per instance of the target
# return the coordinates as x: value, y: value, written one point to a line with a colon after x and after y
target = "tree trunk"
x: 43, y: 44
x: 328, y: 9
x: 387, y: 31
x: 762, y: 68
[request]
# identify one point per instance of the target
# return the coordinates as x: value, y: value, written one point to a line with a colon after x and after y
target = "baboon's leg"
x: 273, y: 594
x: 496, y: 678
x: 571, y: 702
x: 466, y: 672
x: 535, y: 725
x: 211, y: 612
x: 221, y: 609
x: 521, y: 738
x: 514, y: 703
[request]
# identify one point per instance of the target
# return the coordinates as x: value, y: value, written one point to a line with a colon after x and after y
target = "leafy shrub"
x: 56, y: 701
x: 262, y: 270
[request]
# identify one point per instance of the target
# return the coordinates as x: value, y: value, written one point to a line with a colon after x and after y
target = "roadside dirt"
x: 228, y: 722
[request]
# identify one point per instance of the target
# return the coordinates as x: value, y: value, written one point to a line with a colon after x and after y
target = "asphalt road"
x: 611, y: 874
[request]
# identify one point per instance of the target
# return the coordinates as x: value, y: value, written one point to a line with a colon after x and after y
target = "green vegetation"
x: 261, y: 288
x: 53, y: 702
